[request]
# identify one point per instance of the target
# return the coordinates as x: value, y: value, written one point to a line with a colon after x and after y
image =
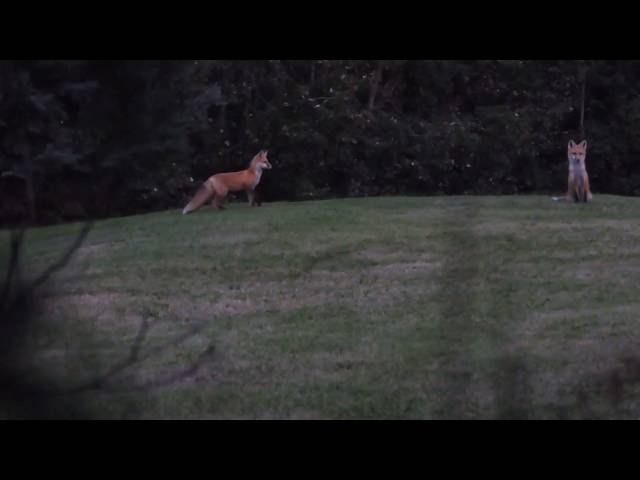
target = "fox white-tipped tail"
x: 202, y: 195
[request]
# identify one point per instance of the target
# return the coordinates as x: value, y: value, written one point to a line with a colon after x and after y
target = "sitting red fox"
x: 217, y: 186
x: 579, y: 190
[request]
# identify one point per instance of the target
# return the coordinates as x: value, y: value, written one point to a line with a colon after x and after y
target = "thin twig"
x: 64, y: 259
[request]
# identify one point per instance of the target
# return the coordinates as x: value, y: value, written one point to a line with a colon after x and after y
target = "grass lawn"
x: 369, y: 308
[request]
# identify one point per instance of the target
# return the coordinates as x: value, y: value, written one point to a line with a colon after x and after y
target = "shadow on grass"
x: 27, y: 389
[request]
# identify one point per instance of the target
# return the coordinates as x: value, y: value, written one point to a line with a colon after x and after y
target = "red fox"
x: 578, y: 189
x: 219, y: 185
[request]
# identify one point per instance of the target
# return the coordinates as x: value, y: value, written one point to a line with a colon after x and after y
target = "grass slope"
x: 448, y: 307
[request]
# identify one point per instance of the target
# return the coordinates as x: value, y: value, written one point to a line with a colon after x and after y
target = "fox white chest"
x: 258, y: 176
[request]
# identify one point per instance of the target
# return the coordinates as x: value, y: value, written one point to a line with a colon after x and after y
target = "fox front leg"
x: 254, y: 198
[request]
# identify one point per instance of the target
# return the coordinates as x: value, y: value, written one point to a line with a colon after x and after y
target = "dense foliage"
x: 101, y: 138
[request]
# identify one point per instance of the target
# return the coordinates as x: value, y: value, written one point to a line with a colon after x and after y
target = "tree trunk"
x: 29, y: 190
x: 584, y: 84
x: 375, y: 82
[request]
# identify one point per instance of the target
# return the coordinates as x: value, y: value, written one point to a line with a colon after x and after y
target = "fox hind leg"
x: 218, y: 202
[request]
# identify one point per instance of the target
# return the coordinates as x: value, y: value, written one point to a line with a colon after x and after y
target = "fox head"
x: 261, y: 161
x: 577, y: 153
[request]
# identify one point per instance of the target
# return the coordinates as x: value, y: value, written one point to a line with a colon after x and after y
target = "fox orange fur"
x: 218, y: 186
x: 578, y: 189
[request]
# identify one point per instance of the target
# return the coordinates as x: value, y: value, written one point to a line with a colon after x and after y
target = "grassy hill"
x: 446, y: 307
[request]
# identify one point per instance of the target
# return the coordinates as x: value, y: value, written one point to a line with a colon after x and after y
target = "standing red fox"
x: 578, y: 189
x: 219, y: 185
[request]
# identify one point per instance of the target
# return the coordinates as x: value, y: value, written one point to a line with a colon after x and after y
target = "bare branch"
x: 65, y: 258
x: 103, y: 381
x: 170, y: 379
x: 16, y: 244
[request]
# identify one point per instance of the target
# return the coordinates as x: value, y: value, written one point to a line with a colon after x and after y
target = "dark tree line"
x: 101, y: 138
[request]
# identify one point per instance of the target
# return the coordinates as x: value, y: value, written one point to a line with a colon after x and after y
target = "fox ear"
x: 583, y: 144
x: 572, y: 144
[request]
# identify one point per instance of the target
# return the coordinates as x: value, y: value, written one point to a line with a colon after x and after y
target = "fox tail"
x: 200, y: 198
